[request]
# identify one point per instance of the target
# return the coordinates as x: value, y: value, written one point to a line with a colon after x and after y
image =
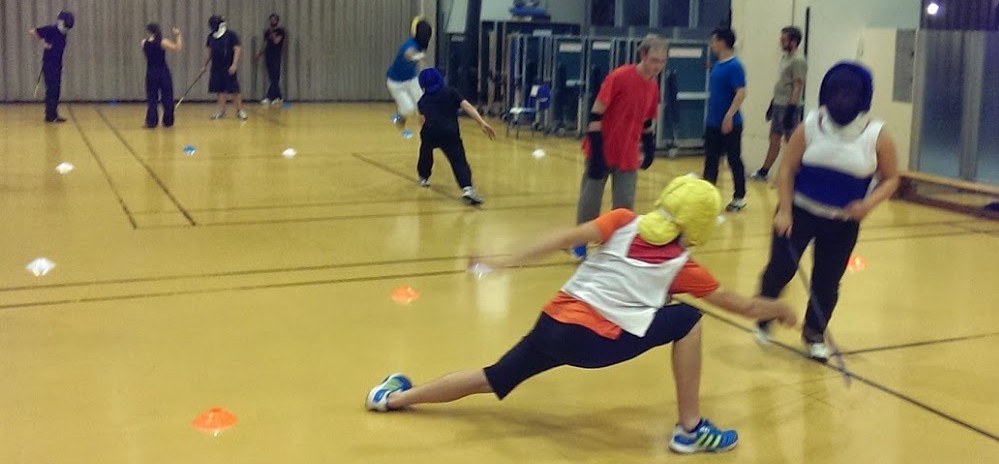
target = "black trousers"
x: 715, y: 145
x: 450, y: 143
x: 834, y: 242
x: 159, y: 89
x: 274, y: 75
x: 53, y: 87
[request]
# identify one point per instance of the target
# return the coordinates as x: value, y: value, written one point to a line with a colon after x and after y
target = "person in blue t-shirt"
x: 723, y: 131
x: 402, y: 82
x: 53, y: 39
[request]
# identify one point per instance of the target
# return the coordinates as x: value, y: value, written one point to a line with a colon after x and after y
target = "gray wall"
x: 337, y: 49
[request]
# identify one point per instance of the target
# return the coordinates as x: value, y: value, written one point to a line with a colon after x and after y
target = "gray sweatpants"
x: 591, y: 194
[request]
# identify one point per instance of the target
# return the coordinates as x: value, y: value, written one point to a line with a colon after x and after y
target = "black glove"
x: 596, y: 166
x: 648, y: 149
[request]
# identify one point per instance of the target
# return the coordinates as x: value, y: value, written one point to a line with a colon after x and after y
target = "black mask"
x: 66, y: 18
x: 846, y: 91
x: 214, y: 22
x: 422, y: 33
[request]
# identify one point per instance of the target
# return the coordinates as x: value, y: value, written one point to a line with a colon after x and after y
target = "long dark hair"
x: 155, y: 31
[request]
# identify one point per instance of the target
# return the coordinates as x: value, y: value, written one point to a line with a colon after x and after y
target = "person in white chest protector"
x: 839, y: 165
x: 615, y: 307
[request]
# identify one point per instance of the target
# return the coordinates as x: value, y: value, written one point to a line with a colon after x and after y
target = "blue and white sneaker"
x: 378, y: 397
x: 705, y: 438
x: 579, y: 252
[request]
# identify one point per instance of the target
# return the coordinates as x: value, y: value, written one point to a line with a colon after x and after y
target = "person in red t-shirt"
x: 615, y: 307
x: 621, y: 117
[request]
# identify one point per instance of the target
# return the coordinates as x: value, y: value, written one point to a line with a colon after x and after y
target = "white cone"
x: 65, y: 168
x: 40, y: 266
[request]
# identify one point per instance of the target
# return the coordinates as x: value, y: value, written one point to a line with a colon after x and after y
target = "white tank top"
x: 839, y: 163
x: 625, y: 291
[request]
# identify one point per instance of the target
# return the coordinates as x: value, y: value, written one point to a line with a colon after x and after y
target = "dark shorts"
x: 552, y: 344
x: 220, y: 81
x: 785, y: 119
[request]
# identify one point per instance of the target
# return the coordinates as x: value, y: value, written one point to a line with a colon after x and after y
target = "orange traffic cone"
x: 214, y: 421
x: 405, y: 294
x: 857, y: 263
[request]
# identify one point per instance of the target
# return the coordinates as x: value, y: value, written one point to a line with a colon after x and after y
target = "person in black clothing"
x: 273, y: 45
x: 439, y: 116
x: 222, y: 52
x: 159, y: 83
x: 53, y: 39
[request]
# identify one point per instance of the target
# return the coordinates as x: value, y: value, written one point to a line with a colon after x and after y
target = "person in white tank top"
x: 839, y: 166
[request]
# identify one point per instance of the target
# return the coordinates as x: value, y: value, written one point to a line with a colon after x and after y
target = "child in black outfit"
x: 439, y: 117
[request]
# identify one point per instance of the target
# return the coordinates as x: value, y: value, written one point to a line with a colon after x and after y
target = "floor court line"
x: 103, y: 168
x: 868, y: 382
x: 148, y: 169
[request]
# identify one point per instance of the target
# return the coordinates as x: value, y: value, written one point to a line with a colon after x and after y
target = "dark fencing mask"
x: 422, y: 31
x: 431, y: 81
x: 66, y: 18
x: 846, y: 91
x: 215, y: 22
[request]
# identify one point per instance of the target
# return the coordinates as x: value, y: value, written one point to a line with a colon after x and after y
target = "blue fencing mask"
x: 846, y: 92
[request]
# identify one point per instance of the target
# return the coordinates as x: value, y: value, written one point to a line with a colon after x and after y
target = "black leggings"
x: 450, y: 143
x: 834, y: 242
x: 551, y: 344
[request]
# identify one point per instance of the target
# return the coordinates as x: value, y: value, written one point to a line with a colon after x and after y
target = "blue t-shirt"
x: 726, y: 78
x: 403, y: 69
x: 51, y: 34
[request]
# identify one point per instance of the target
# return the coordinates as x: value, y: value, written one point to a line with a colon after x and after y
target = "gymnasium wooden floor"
x: 240, y: 279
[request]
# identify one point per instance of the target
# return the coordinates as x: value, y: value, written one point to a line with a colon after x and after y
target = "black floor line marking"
x: 322, y: 267
x: 981, y: 231
x: 403, y: 175
x: 461, y: 210
x: 148, y: 169
x: 303, y: 268
x: 307, y: 283
x: 104, y: 170
x: 854, y: 375
x: 495, y: 208
x: 870, y: 383
x: 291, y: 269
x: 922, y: 343
x: 327, y: 204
